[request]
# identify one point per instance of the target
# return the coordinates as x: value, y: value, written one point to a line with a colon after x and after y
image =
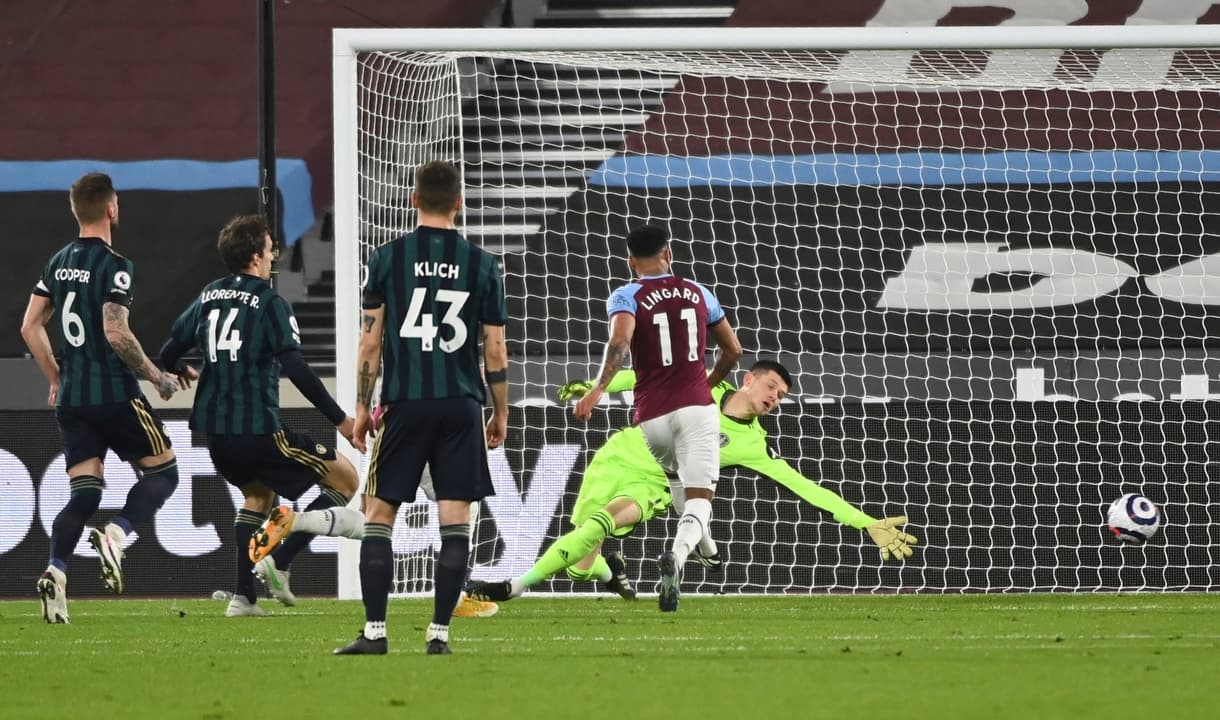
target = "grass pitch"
x: 1046, y: 656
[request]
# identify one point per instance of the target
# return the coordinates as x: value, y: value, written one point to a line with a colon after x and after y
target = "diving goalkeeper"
x: 624, y: 486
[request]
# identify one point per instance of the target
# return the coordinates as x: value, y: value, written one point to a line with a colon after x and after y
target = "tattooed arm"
x: 622, y: 327
x: 368, y: 368
x: 124, y: 343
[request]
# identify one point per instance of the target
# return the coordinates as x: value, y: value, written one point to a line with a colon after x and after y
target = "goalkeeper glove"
x: 573, y: 390
x: 893, y: 542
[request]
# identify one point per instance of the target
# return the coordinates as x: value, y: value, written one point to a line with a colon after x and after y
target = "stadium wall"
x: 1006, y: 497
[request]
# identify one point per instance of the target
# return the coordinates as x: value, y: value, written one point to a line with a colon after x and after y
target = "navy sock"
x: 376, y: 569
x: 70, y: 522
x: 450, y: 570
x: 296, y: 542
x: 147, y: 496
x: 244, y: 525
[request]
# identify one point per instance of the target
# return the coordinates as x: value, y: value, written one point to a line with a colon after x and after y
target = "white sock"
x: 437, y: 632
x: 331, y: 522
x: 518, y: 587
x: 691, y: 528
x: 707, y: 546
x: 374, y: 630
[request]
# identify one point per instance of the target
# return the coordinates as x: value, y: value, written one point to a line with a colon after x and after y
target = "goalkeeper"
x: 624, y: 486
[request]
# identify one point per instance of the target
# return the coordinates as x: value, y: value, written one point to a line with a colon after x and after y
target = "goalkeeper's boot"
x: 275, y: 580
x: 271, y: 533
x: 239, y: 606
x: 711, y: 562
x: 109, y: 546
x: 437, y: 646
x: 468, y: 607
x: 492, y: 591
x: 671, y: 579
x: 363, y: 646
x: 619, y: 582
x: 53, y: 592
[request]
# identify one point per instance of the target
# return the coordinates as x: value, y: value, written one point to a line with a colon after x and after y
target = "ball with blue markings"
x: 1134, y: 518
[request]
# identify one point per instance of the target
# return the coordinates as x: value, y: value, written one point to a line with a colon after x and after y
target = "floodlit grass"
x: 1041, y: 656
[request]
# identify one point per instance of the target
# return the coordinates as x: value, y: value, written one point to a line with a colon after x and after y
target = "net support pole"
x: 268, y: 199
x: 347, y: 282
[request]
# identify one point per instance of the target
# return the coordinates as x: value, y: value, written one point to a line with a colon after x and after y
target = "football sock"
x: 86, y: 496
x: 707, y: 546
x: 331, y: 522
x: 296, y: 542
x: 374, y: 630
x: 450, y: 571
x: 569, y: 549
x: 599, y: 572
x: 244, y: 525
x: 376, y: 570
x: 147, y: 496
x: 691, y: 528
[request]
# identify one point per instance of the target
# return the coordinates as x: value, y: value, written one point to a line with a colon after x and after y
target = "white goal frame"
x: 349, y: 42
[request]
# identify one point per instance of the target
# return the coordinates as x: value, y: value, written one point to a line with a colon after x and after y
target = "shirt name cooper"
x: 72, y: 275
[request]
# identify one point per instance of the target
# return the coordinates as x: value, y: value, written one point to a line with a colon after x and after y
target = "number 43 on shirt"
x: 419, y: 324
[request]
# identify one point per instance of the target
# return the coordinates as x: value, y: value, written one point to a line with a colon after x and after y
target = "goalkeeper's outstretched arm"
x: 892, y: 541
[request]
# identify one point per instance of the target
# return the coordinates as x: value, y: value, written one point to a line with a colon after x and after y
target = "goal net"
x: 988, y: 258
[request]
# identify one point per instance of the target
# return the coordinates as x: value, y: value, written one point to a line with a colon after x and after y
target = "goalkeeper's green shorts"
x: 605, y: 481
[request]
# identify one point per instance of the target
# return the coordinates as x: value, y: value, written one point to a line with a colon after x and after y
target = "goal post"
x: 986, y: 254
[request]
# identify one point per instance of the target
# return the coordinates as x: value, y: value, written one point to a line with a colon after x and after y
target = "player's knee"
x: 84, y: 500
x: 455, y: 545
x: 342, y: 477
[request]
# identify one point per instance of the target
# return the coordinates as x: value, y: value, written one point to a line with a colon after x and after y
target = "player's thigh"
x: 82, y: 439
x: 659, y: 437
x: 697, y: 445
x: 603, y: 483
x: 458, y: 456
x: 399, y: 454
x: 135, y: 433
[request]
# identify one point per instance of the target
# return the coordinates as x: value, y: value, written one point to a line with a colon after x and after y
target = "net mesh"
x: 990, y: 273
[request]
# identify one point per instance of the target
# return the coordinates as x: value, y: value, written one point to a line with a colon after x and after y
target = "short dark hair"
x: 241, y: 239
x: 772, y: 366
x: 647, y: 241
x: 90, y: 195
x: 437, y: 186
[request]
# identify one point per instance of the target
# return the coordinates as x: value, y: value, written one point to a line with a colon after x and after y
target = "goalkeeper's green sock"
x: 569, y: 549
x: 600, y: 572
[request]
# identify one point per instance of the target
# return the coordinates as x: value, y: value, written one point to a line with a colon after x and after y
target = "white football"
x: 1134, y: 518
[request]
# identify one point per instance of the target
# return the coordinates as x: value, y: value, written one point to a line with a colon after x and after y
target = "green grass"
x: 1042, y: 656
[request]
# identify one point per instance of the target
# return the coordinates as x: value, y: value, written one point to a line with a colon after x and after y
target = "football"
x: 1134, y: 518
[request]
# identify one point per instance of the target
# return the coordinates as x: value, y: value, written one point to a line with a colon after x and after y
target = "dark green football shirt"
x: 437, y: 288
x: 79, y: 279
x: 240, y: 325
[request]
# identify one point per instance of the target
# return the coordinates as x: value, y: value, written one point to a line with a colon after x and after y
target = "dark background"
x: 1004, y: 497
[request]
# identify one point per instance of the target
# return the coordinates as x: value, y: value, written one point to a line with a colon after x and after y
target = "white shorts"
x: 687, y: 441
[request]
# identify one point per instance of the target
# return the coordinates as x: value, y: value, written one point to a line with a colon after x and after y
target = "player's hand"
x: 53, y: 395
x: 584, y: 408
x: 186, y: 377
x: 347, y: 429
x: 167, y: 385
x: 576, y: 389
x: 894, y: 543
x: 361, y: 427
x: 497, y: 430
